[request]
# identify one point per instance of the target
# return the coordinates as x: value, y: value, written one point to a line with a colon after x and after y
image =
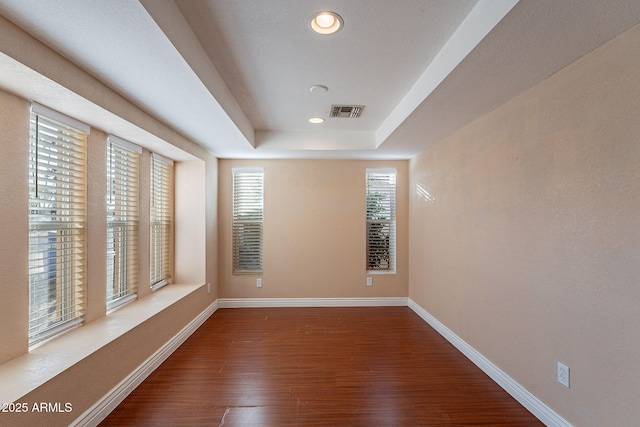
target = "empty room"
x: 319, y: 213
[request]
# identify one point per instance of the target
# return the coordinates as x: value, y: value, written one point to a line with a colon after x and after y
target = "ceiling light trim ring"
x: 326, y: 22
x: 318, y: 89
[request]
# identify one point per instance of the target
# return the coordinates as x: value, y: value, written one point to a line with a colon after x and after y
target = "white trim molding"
x: 538, y: 408
x: 103, y: 407
x: 312, y: 302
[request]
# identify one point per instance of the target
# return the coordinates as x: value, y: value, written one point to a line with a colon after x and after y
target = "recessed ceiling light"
x: 316, y: 120
x: 326, y: 22
x: 318, y: 89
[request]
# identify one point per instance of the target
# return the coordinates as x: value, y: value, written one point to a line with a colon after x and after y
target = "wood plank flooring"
x: 364, y: 366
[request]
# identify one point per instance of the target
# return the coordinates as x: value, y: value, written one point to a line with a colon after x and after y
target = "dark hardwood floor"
x: 369, y: 366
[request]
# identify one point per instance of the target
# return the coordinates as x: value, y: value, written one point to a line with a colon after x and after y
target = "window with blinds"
x: 381, y: 220
x: 248, y: 194
x: 161, y: 232
x: 57, y: 216
x: 123, y: 159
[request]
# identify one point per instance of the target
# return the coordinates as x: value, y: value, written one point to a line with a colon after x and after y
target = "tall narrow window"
x: 123, y: 160
x: 248, y: 193
x: 381, y: 220
x: 57, y: 214
x: 161, y: 232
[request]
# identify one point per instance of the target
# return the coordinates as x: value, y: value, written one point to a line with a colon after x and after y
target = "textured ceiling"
x: 269, y: 57
x: 234, y: 76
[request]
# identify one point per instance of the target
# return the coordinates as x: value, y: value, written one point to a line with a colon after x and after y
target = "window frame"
x: 380, y: 241
x: 161, y: 221
x: 123, y: 205
x: 57, y: 172
x: 248, y: 197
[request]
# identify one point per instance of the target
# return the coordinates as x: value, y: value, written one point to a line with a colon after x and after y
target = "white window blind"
x: 248, y: 194
x: 381, y: 220
x: 161, y: 221
x: 57, y: 215
x: 123, y: 159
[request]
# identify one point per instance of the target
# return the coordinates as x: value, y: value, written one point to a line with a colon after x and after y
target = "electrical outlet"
x: 208, y: 288
x: 563, y: 374
x: 369, y: 281
x: 259, y: 283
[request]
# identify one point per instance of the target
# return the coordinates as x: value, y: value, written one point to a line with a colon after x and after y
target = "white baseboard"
x: 312, y: 302
x: 99, y: 410
x: 538, y: 408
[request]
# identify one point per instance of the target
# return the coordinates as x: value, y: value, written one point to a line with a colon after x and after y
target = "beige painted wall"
x: 97, y: 219
x: 211, y: 223
x: 14, y: 265
x: 190, y: 243
x: 314, y: 231
x: 525, y: 235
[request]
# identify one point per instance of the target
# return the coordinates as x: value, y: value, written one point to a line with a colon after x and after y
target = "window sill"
x: 26, y: 373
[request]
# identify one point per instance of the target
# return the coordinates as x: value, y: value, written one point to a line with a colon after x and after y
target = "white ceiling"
x: 234, y: 76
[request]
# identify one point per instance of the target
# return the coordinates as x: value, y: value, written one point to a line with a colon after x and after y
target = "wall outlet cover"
x: 563, y: 374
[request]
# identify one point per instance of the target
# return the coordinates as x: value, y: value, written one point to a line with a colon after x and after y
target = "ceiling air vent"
x: 346, y: 111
